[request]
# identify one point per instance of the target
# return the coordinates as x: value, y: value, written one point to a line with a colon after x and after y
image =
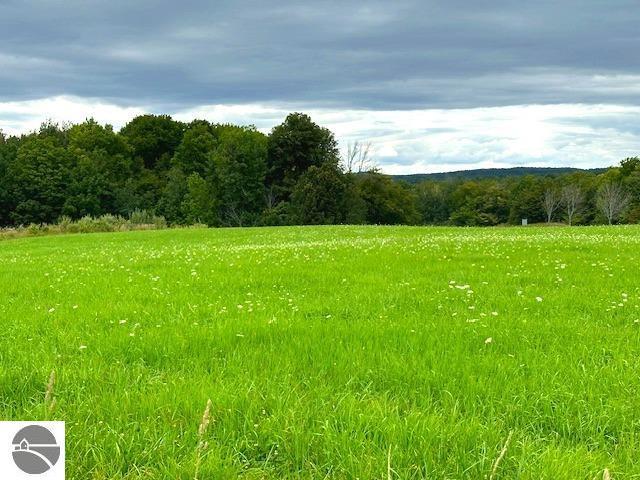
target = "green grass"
x: 330, y: 352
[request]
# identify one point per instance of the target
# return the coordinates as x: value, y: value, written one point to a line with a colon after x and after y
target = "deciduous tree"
x: 154, y: 139
x: 551, y: 201
x: 294, y: 146
x: 573, y: 200
x: 241, y: 163
x: 321, y: 196
x: 612, y: 200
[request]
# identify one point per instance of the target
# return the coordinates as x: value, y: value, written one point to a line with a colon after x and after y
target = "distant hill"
x: 484, y: 173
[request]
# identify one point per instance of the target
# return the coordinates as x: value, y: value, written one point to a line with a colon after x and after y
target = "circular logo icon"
x: 35, y: 450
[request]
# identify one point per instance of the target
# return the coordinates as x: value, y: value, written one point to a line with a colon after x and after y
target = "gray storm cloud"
x: 378, y: 55
x: 435, y: 85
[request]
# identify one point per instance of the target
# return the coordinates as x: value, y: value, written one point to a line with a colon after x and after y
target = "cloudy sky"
x: 434, y: 85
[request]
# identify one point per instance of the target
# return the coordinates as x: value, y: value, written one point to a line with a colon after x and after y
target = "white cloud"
x: 26, y: 116
x: 410, y: 141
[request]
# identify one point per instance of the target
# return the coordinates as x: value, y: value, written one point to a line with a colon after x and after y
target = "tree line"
x: 229, y: 175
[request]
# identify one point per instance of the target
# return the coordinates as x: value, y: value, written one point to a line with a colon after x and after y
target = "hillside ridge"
x: 485, y: 173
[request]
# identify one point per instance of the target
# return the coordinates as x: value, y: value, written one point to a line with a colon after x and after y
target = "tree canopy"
x: 228, y: 175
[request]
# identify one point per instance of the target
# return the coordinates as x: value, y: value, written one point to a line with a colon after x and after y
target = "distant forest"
x: 483, y: 173
x: 227, y: 175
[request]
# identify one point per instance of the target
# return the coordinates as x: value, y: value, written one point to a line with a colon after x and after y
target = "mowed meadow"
x: 329, y: 352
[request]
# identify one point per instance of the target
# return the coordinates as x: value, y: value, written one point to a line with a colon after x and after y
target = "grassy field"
x: 330, y: 352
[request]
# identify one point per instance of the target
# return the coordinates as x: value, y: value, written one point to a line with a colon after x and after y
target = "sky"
x: 433, y: 85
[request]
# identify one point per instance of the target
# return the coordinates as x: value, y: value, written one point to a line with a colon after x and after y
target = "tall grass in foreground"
x: 329, y: 352
x: 49, y: 399
x: 202, y: 443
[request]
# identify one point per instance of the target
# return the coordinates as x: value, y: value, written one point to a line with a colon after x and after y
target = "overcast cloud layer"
x: 436, y: 85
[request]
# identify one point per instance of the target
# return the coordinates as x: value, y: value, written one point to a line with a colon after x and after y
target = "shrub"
x: 140, y: 220
x: 141, y: 217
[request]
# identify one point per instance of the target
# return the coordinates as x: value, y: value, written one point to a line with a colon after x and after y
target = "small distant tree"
x: 551, y: 202
x: 523, y: 198
x: 432, y: 201
x: 358, y: 157
x: 612, y: 200
x: 573, y: 199
x: 629, y: 165
x: 386, y: 201
x: 479, y: 202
